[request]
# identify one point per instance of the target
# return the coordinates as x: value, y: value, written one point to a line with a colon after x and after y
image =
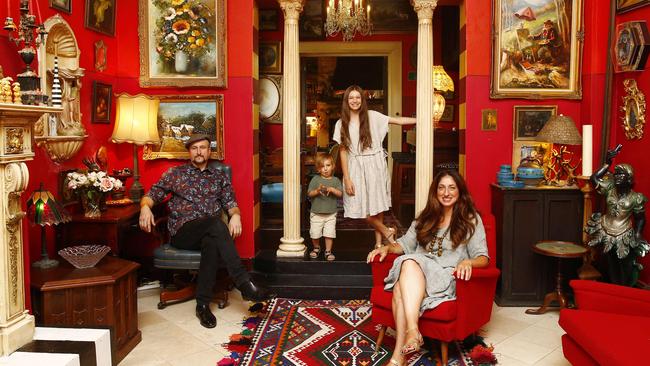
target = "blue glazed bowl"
x: 512, y: 184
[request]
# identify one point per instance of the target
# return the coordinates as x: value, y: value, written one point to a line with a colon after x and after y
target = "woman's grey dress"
x: 367, y: 169
x: 438, y: 271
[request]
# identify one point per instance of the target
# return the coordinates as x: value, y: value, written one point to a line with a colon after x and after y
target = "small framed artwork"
x: 393, y: 16
x: 61, y: 5
x: 448, y: 113
x: 531, y: 154
x: 633, y: 107
x: 271, y: 57
x: 631, y: 47
x: 271, y: 98
x: 312, y: 20
x: 100, y: 55
x: 100, y: 16
x: 269, y: 19
x: 488, y: 119
x: 530, y: 119
x: 626, y: 5
x: 179, y: 117
x: 102, y: 95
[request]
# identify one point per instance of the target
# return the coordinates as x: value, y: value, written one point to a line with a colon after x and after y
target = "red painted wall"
x: 122, y: 73
x: 634, y: 152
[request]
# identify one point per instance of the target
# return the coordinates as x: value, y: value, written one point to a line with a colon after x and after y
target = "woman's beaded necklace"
x: 437, y: 241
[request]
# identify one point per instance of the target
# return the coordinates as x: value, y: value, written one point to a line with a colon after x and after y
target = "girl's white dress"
x: 367, y: 169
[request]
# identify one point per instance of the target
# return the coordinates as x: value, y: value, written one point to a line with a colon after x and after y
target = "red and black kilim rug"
x: 325, y: 332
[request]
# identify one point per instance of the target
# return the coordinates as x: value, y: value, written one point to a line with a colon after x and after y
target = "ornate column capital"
x: 291, y: 9
x: 424, y: 8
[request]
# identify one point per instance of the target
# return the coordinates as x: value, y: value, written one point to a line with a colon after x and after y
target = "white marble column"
x: 16, y: 121
x: 424, y: 102
x: 291, y: 243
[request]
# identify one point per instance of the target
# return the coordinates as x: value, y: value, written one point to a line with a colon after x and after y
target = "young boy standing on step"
x: 323, y: 190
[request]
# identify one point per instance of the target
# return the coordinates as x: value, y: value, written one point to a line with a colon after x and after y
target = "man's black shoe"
x: 253, y: 292
x: 206, y: 317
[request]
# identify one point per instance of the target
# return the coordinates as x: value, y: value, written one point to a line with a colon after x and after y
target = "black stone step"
x: 346, y: 263
x: 85, y: 350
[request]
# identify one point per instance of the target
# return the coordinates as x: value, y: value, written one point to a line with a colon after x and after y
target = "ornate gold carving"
x: 633, y: 109
x: 14, y: 140
x: 12, y: 228
x: 16, y: 176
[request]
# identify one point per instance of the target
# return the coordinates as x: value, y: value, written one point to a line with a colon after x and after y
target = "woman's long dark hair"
x: 463, y: 218
x: 365, y: 139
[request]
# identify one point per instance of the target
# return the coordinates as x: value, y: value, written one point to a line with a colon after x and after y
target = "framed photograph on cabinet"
x: 182, y: 43
x: 269, y: 19
x: 271, y: 57
x: 537, y: 49
x: 271, y: 98
x: 102, y: 96
x: 531, y: 153
x: 530, y: 119
x: 100, y: 16
x: 61, y: 5
x: 626, y: 5
x: 181, y: 116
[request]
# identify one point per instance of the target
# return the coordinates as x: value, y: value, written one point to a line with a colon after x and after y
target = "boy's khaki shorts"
x: 322, y: 225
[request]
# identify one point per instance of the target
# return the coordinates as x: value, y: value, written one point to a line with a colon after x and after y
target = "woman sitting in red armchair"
x: 446, y: 239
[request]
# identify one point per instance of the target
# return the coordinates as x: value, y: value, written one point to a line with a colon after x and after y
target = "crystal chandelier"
x: 348, y: 17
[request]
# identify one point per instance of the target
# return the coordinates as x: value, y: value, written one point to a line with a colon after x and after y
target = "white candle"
x: 587, y: 149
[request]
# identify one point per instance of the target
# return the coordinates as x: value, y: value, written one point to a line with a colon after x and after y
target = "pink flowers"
x: 92, y: 181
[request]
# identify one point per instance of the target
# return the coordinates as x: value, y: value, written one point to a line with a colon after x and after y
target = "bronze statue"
x: 619, y: 229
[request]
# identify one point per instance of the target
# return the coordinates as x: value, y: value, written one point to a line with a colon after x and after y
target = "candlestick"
x: 587, y: 150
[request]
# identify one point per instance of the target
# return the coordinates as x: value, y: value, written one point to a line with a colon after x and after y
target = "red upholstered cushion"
x: 610, y: 339
x: 445, y: 312
x: 575, y: 354
x: 598, y: 296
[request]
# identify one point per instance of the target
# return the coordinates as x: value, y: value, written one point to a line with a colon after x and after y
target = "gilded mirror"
x: 633, y: 108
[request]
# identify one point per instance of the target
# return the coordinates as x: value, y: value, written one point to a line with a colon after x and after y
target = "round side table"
x: 559, y: 250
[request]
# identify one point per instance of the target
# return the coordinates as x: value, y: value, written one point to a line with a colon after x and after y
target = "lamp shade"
x: 43, y: 209
x: 441, y: 80
x: 560, y: 130
x: 136, y: 120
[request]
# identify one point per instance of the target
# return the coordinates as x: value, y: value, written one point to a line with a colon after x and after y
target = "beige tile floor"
x: 173, y: 336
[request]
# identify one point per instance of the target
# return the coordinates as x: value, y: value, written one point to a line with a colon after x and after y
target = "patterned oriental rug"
x: 321, y: 332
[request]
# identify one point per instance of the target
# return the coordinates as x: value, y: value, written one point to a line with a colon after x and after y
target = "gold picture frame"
x: 179, y: 117
x: 633, y: 109
x: 530, y: 119
x: 270, y: 56
x: 537, y: 50
x: 488, y: 119
x: 201, y: 58
x: 271, y: 98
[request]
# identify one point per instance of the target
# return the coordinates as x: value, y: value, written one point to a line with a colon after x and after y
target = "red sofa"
x: 610, y: 325
x: 451, y: 320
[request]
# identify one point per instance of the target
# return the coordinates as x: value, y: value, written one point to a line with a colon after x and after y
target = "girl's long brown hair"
x: 365, y: 139
x: 463, y: 218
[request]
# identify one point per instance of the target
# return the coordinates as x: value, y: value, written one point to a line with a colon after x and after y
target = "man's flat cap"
x: 197, y: 137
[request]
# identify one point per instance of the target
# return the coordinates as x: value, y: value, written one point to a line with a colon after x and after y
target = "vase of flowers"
x: 91, y: 187
x: 183, y: 33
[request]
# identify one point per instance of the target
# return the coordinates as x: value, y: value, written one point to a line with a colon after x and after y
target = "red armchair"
x: 610, y: 325
x: 452, y: 320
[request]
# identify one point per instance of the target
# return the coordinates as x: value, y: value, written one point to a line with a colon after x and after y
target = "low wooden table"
x: 559, y: 250
x: 104, y: 295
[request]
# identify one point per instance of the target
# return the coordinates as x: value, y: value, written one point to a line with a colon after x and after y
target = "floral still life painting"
x: 182, y: 43
x: 537, y: 49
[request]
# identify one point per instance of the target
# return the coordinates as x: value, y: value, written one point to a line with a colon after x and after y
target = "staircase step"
x: 318, y: 287
x: 346, y: 263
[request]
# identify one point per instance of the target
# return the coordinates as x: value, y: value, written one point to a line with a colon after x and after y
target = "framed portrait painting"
x: 312, y: 20
x: 100, y: 16
x: 270, y: 54
x: 393, y: 16
x: 269, y: 19
x: 488, y: 119
x: 537, y: 49
x: 61, y: 5
x: 102, y: 96
x: 530, y: 119
x: 181, y: 116
x: 182, y: 43
x: 626, y: 5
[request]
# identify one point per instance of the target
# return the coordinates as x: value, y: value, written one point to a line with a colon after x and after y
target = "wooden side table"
x: 559, y: 250
x: 104, y: 295
x: 113, y: 228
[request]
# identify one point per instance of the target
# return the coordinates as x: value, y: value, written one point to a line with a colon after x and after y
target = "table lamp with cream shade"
x: 560, y: 130
x: 442, y: 83
x: 136, y: 122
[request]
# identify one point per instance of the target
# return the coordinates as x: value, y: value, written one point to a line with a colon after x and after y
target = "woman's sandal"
x: 414, y: 344
x: 329, y: 256
x: 391, y: 235
x: 314, y: 253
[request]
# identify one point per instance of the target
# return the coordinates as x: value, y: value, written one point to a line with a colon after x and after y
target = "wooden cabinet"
x: 104, y: 295
x: 524, y: 217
